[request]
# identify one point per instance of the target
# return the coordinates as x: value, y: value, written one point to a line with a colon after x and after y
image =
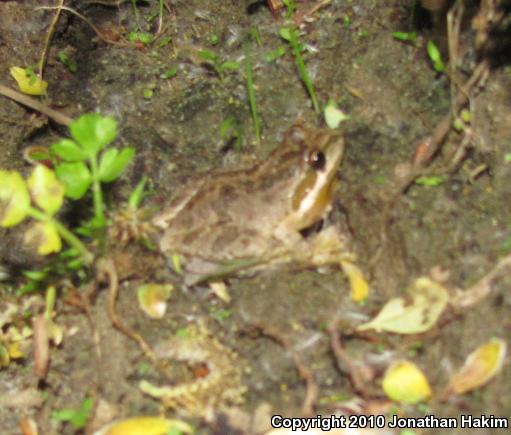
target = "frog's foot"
x: 329, y: 247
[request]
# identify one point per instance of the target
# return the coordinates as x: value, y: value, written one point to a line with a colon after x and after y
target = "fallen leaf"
x: 146, y: 426
x: 14, y: 198
x: 45, y: 237
x: 358, y: 284
x: 404, y: 382
x: 152, y: 299
x: 28, y: 82
x: 480, y: 367
x: 429, y: 300
x: 333, y: 115
x: 47, y: 192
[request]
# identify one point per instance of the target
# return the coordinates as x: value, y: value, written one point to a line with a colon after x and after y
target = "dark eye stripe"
x: 317, y: 160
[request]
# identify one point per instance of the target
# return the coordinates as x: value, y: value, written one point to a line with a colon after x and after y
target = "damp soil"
x: 394, y: 99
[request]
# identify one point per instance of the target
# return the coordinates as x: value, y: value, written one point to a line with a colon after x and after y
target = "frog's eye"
x: 317, y: 160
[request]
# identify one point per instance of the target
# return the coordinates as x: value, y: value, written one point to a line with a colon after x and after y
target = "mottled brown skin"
x: 253, y: 216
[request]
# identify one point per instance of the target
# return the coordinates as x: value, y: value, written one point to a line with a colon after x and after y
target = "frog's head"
x: 317, y: 155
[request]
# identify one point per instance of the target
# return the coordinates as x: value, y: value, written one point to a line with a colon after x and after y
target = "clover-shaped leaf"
x: 47, y: 192
x: 69, y: 150
x: 93, y: 131
x: 76, y: 178
x: 45, y: 237
x: 14, y: 198
x: 113, y: 162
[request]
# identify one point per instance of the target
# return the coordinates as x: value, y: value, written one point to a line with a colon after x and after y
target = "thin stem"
x: 78, y: 14
x: 74, y: 241
x: 135, y: 10
x: 160, y: 18
x: 293, y: 40
x: 34, y: 104
x: 97, y: 194
x: 251, y: 93
x: 49, y: 35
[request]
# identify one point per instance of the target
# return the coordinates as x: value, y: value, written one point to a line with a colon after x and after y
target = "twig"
x: 108, y: 271
x: 311, y: 386
x: 344, y: 362
x: 437, y: 140
x: 49, y: 35
x: 475, y: 294
x: 34, y: 104
x: 93, y: 27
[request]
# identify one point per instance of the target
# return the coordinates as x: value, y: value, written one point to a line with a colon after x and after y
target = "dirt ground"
x: 395, y: 100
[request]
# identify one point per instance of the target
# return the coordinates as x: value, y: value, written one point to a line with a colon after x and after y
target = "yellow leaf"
x: 479, y: 368
x: 14, y: 198
x: 145, y: 426
x: 5, y: 358
x: 404, y: 382
x: 28, y: 82
x: 15, y: 351
x: 47, y: 192
x: 358, y: 284
x: 153, y: 299
x: 45, y: 237
x: 429, y: 300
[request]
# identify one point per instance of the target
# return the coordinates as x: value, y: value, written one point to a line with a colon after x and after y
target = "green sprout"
x: 166, y: 40
x: 77, y: 417
x: 251, y: 93
x: 232, y: 130
x: 83, y: 165
x: 169, y: 73
x: 275, y: 54
x: 256, y: 35
x: 430, y: 181
x: 290, y: 6
x: 219, y: 65
x: 405, y: 36
x: 47, y: 193
x: 67, y: 62
x: 435, y: 56
x: 142, y: 37
x: 291, y: 35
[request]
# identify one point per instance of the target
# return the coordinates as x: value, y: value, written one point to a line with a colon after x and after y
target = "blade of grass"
x: 304, y: 74
x: 251, y: 92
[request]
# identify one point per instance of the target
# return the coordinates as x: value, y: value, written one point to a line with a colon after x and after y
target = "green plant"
x: 40, y: 197
x: 67, y: 62
x: 290, y: 6
x: 219, y: 65
x: 85, y: 164
x: 291, y: 35
x: 232, y: 130
x: 77, y: 417
x: 251, y: 93
x: 405, y: 36
x: 430, y: 181
x: 275, y: 54
x: 435, y: 56
x: 139, y: 36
